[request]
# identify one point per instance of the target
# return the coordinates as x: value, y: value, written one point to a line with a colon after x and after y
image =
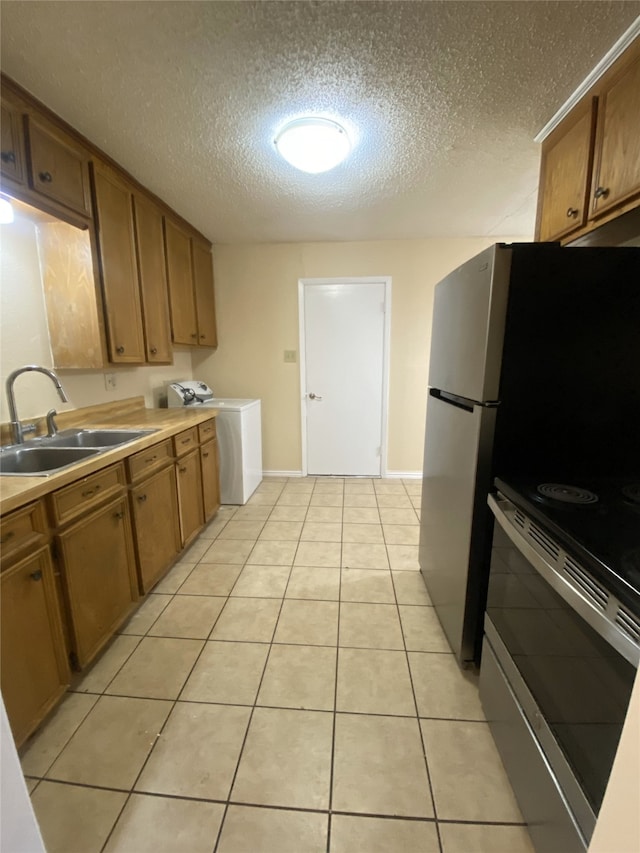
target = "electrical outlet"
x: 110, y: 381
x: 290, y: 356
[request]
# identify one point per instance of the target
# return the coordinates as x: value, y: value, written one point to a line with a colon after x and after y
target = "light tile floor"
x: 285, y: 689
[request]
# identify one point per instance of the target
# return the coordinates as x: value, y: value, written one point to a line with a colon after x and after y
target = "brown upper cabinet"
x: 12, y: 150
x: 132, y: 268
x: 153, y: 280
x: 118, y: 267
x: 191, y: 290
x: 590, y: 167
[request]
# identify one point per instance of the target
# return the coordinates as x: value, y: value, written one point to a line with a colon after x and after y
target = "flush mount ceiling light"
x: 313, y: 144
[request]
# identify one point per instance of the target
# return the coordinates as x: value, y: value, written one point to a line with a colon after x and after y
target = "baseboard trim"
x: 390, y: 475
x: 404, y: 475
x: 282, y: 474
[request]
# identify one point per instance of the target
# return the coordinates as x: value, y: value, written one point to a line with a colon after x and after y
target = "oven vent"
x: 545, y: 542
x: 520, y: 518
x: 594, y: 591
x: 629, y: 624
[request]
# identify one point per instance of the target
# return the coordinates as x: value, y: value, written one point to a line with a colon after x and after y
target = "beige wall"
x: 257, y: 305
x: 24, y: 339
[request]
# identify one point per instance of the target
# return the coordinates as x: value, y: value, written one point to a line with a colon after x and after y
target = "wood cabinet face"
x: 184, y: 327
x: 616, y: 174
x: 210, y: 463
x: 57, y: 169
x: 189, y: 480
x: 566, y: 167
x: 156, y: 527
x: 12, y: 148
x: 204, y: 294
x: 35, y: 672
x: 99, y: 576
x: 153, y: 280
x: 118, y: 269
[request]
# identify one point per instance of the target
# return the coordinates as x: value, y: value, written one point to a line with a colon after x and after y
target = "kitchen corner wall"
x: 24, y: 339
x: 257, y: 310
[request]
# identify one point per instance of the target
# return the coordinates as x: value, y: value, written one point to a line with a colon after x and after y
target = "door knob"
x: 313, y: 396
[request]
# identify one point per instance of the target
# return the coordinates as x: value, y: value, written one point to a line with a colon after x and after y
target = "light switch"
x: 290, y: 356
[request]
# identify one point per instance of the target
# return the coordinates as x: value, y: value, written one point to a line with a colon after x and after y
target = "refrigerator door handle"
x: 461, y: 402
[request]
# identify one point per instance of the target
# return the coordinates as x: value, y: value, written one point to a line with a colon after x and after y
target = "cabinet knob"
x: 601, y: 192
x: 194, y: 334
x: 120, y: 350
x: 182, y: 470
x: 572, y: 211
x: 36, y: 576
x: 142, y: 498
x: 154, y: 350
x: 8, y: 157
x: 202, y: 336
x: 205, y: 455
x: 118, y: 515
x: 45, y: 177
x: 7, y: 537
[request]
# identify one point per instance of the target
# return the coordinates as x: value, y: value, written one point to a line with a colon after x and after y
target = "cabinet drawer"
x: 207, y: 430
x: 185, y: 441
x: 147, y: 461
x: 78, y: 498
x: 24, y: 529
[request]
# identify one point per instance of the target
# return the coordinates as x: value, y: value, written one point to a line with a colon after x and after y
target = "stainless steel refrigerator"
x: 464, y: 377
x: 519, y: 383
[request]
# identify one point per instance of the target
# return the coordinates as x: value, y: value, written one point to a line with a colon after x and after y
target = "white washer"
x: 239, y: 429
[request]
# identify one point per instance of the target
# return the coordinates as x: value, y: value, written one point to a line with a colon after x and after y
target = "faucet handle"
x: 52, y: 428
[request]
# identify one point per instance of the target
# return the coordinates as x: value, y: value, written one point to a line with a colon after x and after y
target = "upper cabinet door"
x: 114, y: 213
x: 57, y: 168
x: 12, y: 151
x: 184, y: 327
x: 204, y: 294
x: 616, y: 173
x: 153, y: 280
x: 566, y: 167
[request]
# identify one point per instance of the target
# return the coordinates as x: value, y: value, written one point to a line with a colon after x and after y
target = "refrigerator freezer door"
x: 455, y: 526
x: 469, y: 314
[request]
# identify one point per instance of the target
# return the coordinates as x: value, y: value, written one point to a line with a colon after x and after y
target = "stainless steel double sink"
x: 42, y: 457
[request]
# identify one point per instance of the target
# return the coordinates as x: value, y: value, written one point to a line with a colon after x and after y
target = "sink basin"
x: 42, y: 457
x: 101, y: 438
x: 41, y: 461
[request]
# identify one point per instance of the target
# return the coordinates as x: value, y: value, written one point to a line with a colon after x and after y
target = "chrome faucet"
x: 17, y: 428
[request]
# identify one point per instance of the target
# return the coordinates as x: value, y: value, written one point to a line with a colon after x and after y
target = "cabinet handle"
x: 182, y: 470
x: 572, y: 211
x: 154, y: 350
x: 205, y: 455
x: 8, y: 157
x: 194, y: 334
x: 120, y: 350
x: 151, y: 458
x: 90, y: 492
x: 36, y: 576
x: 601, y: 192
x: 185, y: 441
x: 45, y: 177
x: 142, y: 498
x: 203, y: 336
x: 7, y: 536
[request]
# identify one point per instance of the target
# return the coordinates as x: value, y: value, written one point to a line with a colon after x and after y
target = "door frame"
x: 386, y: 341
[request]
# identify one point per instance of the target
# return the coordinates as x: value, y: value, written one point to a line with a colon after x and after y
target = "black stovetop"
x: 599, y: 525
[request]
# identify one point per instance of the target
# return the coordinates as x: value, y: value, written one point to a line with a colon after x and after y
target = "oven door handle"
x: 600, y: 621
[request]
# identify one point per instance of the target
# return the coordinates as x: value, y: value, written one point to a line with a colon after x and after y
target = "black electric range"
x: 597, y: 521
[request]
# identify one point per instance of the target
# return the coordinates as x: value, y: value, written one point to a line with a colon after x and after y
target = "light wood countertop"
x: 126, y: 414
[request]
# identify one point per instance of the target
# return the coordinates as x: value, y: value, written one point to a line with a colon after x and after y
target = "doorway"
x: 344, y: 367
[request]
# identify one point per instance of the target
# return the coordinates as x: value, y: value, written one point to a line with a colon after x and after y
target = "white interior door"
x: 344, y: 346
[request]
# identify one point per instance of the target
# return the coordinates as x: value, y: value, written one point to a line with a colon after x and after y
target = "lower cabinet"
x: 210, y: 466
x: 35, y: 672
x: 154, y: 505
x: 98, y: 567
x: 189, y: 480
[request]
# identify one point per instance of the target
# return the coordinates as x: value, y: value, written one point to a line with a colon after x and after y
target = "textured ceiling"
x: 442, y: 100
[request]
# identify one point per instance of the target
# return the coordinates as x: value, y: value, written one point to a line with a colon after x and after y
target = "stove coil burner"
x: 567, y: 494
x: 631, y: 493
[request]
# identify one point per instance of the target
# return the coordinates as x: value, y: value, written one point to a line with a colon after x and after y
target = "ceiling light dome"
x: 313, y: 144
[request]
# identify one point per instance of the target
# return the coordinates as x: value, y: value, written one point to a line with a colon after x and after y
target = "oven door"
x: 565, y: 663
